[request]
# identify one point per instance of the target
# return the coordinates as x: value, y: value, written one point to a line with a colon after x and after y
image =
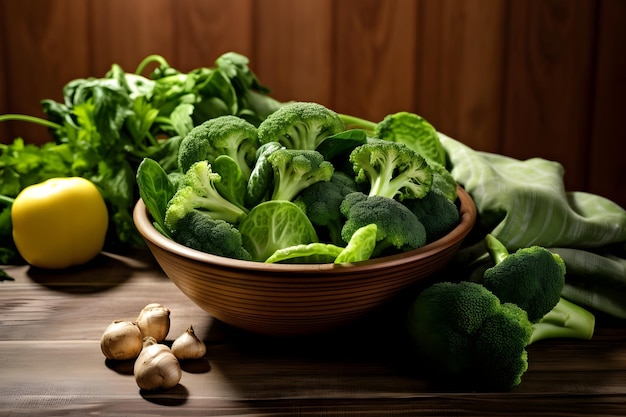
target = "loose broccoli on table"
x: 392, y: 170
x: 199, y: 231
x: 300, y: 125
x: 197, y: 192
x: 477, y: 332
x: 295, y: 170
x: 398, y: 229
x: 463, y: 333
x: 533, y: 278
x: 224, y: 135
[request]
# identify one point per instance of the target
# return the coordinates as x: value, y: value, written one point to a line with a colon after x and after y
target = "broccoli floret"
x: 274, y: 225
x: 321, y: 202
x: 224, y: 135
x: 300, y: 125
x: 443, y: 180
x: 398, y: 230
x: 533, y: 278
x: 462, y: 331
x: 197, y: 192
x: 295, y: 170
x: 392, y: 169
x: 199, y: 231
x: 437, y: 213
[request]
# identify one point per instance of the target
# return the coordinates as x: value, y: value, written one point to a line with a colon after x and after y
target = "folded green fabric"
x: 524, y: 203
x: 596, y: 280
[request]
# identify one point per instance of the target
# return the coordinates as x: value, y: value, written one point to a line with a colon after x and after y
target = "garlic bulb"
x: 156, y: 367
x: 188, y: 346
x: 121, y: 340
x: 154, y: 321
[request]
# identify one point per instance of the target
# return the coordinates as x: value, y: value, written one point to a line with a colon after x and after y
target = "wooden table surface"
x: 51, y: 363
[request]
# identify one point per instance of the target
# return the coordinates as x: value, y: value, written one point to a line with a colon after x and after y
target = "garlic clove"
x: 156, y: 367
x: 154, y: 321
x: 121, y: 340
x: 188, y: 346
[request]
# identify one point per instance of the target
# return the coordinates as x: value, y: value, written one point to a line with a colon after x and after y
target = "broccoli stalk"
x: 393, y: 170
x: 198, y: 192
x: 533, y: 278
x: 565, y: 320
x: 295, y: 170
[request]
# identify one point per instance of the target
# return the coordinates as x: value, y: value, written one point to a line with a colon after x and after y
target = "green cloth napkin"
x: 525, y: 203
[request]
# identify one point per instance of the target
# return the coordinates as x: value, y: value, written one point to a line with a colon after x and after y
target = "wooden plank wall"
x: 520, y: 77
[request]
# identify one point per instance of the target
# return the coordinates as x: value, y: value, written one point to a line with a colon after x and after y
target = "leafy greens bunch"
x: 301, y: 187
x: 105, y: 127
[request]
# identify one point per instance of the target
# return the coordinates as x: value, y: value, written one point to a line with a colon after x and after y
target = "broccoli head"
x: 393, y: 170
x: 295, y: 170
x: 463, y: 331
x: 199, y: 231
x: 225, y: 135
x: 437, y: 213
x: 322, y: 201
x: 300, y: 125
x: 398, y: 229
x: 532, y: 277
x: 197, y: 191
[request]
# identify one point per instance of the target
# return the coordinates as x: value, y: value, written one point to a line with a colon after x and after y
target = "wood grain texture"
x: 607, y: 144
x: 294, y: 49
x: 525, y: 78
x: 461, y: 69
x: 206, y: 29
x: 548, y: 83
x: 116, y: 36
x: 51, y: 361
x: 4, y: 99
x: 40, y: 58
x: 375, y: 57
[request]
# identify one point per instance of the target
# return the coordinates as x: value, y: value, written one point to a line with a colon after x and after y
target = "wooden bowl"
x: 290, y: 299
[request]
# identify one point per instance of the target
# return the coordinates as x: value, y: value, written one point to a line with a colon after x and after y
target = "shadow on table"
x: 104, y: 272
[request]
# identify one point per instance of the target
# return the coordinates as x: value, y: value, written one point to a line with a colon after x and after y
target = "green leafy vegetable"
x: 156, y: 190
x: 361, y: 245
x: 274, y: 225
x: 104, y: 128
x: 320, y: 253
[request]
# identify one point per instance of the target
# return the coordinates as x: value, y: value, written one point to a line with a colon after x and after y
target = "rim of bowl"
x: 468, y: 213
